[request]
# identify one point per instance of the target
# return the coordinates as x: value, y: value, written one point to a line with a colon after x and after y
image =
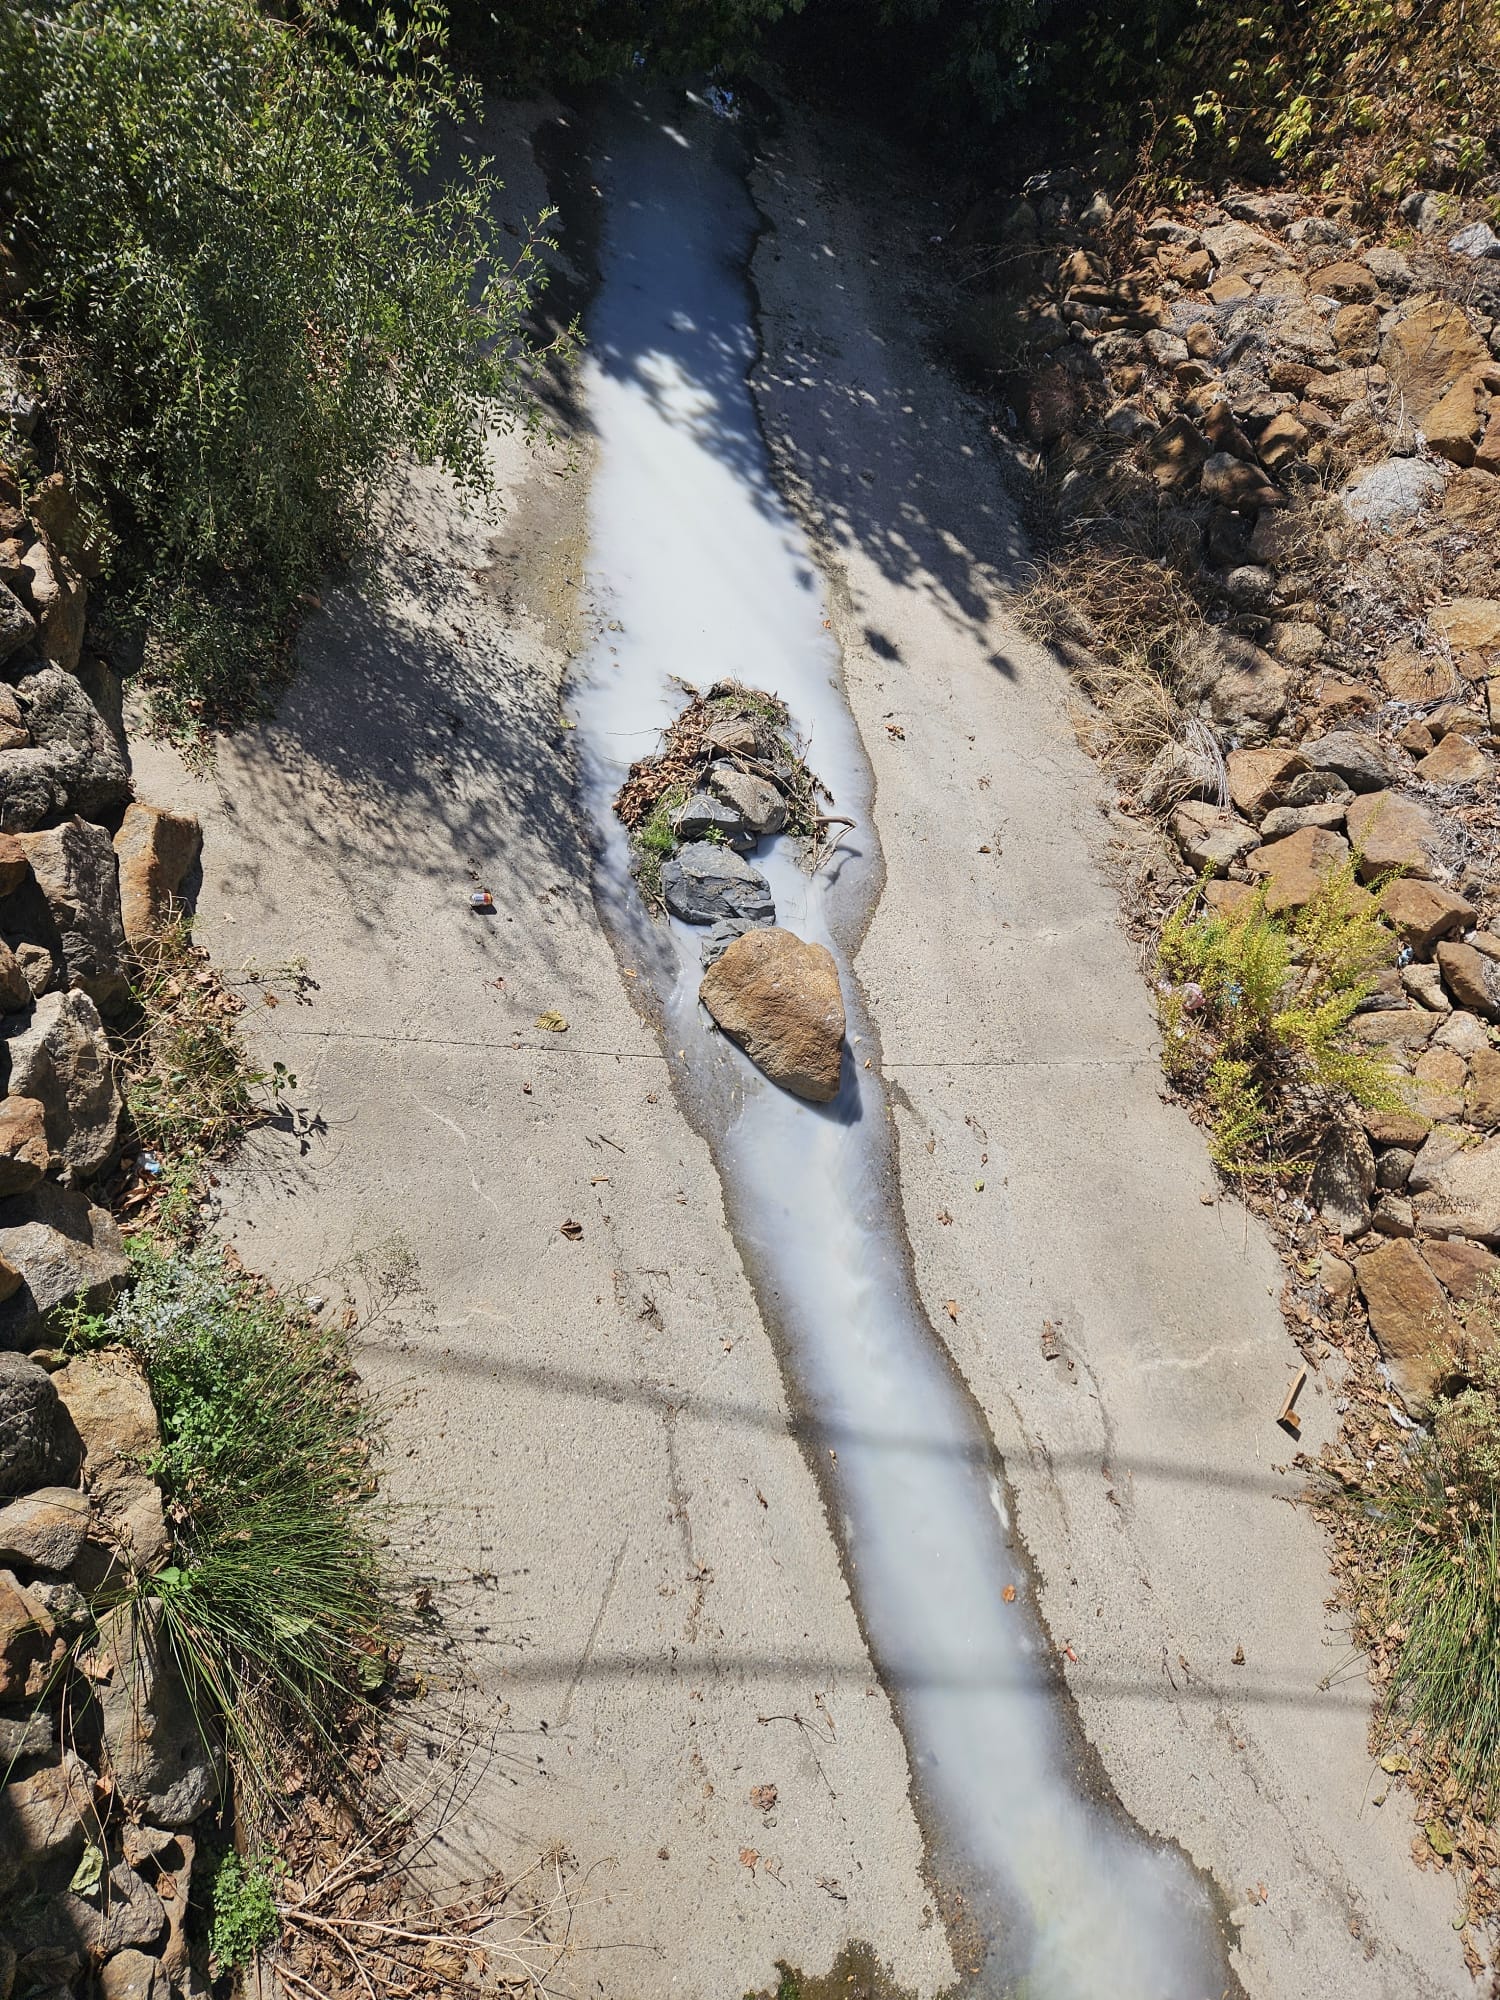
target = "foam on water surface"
x: 707, y: 574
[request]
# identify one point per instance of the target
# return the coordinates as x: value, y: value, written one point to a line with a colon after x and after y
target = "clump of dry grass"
x: 1116, y: 617
x: 1415, y: 1517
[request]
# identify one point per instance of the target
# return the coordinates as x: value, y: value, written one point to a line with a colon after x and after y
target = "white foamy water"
x: 708, y: 575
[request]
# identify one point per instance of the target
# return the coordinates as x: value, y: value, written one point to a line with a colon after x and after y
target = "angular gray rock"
x: 1243, y: 690
x: 62, y: 1059
x: 721, y: 936
x: 17, y: 626
x: 63, y: 1248
x: 156, y: 1752
x: 1182, y: 771
x: 63, y: 720
x: 704, y: 815
x: 1389, y: 268
x: 37, y: 1441
x: 124, y: 1911
x: 73, y: 764
x: 1353, y: 755
x: 1393, y: 492
x: 1477, y: 240
x: 135, y: 1975
x: 704, y: 882
x: 24, y: 1738
x: 758, y: 802
x: 44, y: 1529
x: 78, y: 879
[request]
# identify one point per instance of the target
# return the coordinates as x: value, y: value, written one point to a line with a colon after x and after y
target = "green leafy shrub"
x: 275, y: 1600
x: 1255, y: 1010
x: 245, y: 290
x: 546, y: 43
x: 244, y: 1918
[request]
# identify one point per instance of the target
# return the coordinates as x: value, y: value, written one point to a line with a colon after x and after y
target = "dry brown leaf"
x: 763, y: 1797
x: 572, y: 1230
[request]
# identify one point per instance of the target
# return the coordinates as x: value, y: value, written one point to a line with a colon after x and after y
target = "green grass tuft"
x: 655, y: 842
x: 1426, y: 1524
x: 275, y: 1601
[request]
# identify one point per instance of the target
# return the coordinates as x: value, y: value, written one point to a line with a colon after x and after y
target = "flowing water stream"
x: 699, y: 571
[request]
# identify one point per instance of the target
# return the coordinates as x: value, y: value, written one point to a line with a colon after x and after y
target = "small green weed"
x: 244, y: 1919
x: 1255, y: 1010
x: 655, y: 842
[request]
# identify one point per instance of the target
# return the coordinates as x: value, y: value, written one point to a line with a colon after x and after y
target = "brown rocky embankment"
x: 1266, y: 431
x: 1289, y: 430
x: 102, y: 1767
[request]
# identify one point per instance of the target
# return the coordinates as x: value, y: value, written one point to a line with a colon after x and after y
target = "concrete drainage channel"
x: 696, y: 560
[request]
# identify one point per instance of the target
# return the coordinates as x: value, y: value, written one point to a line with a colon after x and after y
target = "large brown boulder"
x: 1469, y: 624
x: 1472, y: 979
x: 1296, y: 868
x: 23, y: 1644
x: 1423, y: 912
x: 155, y: 849
x: 778, y: 997
x: 1464, y: 1270
x: 1410, y: 1318
x: 46, y: 1818
x: 60, y: 600
x: 1462, y: 1193
x: 1427, y: 351
x: 1258, y: 777
x: 1394, y: 833
x: 44, y: 1529
x: 107, y: 1397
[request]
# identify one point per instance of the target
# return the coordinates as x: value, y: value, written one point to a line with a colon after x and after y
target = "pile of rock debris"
x: 1288, y: 423
x: 102, y: 1767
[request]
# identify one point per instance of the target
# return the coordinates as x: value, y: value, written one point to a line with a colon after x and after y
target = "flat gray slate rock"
x: 704, y: 814
x: 704, y: 882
